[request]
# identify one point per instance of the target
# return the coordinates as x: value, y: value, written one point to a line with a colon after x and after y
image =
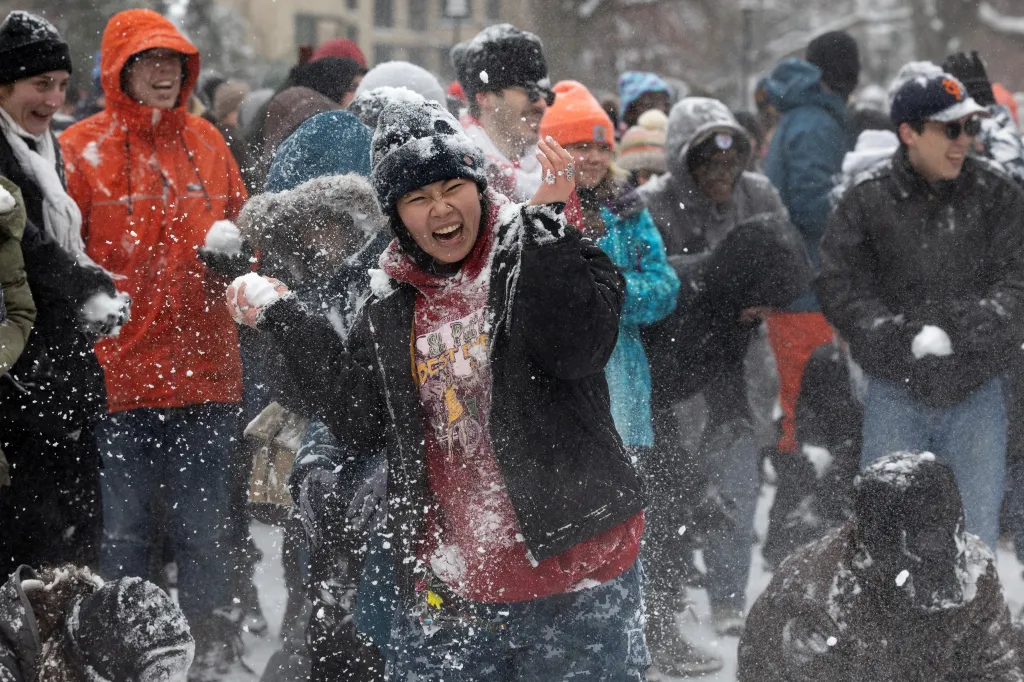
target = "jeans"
x: 732, y: 456
x: 593, y: 635
x: 183, y: 455
x: 970, y: 437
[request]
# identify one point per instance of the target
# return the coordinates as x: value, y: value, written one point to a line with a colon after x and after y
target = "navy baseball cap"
x: 940, y: 98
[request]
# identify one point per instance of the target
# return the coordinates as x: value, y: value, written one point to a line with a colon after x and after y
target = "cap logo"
x: 953, y: 88
x: 600, y: 133
x: 723, y: 141
x: 468, y: 160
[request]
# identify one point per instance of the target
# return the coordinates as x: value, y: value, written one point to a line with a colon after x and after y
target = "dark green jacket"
x: 17, y: 298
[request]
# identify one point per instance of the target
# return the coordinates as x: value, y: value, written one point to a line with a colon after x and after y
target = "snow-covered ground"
x: 270, y: 582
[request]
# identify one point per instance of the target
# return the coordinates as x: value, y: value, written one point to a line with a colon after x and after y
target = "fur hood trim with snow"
x: 271, y: 220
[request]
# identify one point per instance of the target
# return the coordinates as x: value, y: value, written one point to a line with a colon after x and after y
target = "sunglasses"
x: 971, y: 127
x: 536, y: 92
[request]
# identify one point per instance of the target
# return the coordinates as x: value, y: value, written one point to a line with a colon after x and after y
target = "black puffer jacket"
x: 554, y: 307
x: 900, y: 253
x: 57, y: 385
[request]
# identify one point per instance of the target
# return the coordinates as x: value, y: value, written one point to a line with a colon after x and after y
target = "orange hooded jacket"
x: 150, y: 184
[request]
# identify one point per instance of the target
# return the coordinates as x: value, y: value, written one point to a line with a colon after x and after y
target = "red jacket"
x: 150, y: 184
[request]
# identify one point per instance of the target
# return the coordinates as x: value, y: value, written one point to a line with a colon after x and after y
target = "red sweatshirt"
x: 474, y: 541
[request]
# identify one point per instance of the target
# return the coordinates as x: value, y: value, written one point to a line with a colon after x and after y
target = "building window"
x: 305, y: 30
x: 446, y: 70
x: 416, y: 55
x: 383, y: 53
x: 456, y: 9
x: 493, y: 10
x: 418, y: 15
x: 383, y: 13
x: 352, y: 33
x: 352, y: 4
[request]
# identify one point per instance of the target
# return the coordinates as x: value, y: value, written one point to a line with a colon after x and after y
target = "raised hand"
x: 559, y: 174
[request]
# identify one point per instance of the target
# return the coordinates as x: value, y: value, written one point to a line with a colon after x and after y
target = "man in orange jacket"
x: 151, y: 181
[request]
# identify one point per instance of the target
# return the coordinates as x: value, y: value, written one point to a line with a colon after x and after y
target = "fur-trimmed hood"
x: 271, y: 221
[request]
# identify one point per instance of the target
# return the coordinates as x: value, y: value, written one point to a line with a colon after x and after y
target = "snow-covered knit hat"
x: 417, y: 144
x: 368, y: 105
x: 129, y: 630
x: 403, y: 75
x: 499, y: 57
x: 29, y: 46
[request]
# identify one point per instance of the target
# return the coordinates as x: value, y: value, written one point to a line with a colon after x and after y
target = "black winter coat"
x: 554, y: 307
x: 819, y: 621
x: 57, y: 385
x: 900, y: 254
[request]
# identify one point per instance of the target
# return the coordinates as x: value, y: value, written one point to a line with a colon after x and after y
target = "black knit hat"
x: 129, y: 630
x: 416, y: 144
x: 837, y: 55
x: 332, y: 77
x: 499, y: 57
x: 29, y: 46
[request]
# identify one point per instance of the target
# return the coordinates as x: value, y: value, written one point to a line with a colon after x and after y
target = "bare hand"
x: 558, y: 173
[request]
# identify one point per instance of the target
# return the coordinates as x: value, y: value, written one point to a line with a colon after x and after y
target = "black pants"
x: 51, y: 514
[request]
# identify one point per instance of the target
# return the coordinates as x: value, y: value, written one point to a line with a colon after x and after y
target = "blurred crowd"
x: 508, y: 361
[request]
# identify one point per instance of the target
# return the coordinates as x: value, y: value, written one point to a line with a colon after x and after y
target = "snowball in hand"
x: 224, y: 238
x: 249, y: 295
x: 931, y: 341
x: 105, y: 314
x: 7, y: 202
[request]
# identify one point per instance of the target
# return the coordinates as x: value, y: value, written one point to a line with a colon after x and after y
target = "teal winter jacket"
x: 634, y: 245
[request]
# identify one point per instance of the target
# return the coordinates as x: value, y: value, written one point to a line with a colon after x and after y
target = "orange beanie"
x: 576, y: 116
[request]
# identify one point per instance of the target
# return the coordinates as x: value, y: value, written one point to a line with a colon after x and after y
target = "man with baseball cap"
x: 922, y: 271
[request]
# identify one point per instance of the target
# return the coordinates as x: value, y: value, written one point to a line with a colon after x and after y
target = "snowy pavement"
x: 270, y: 583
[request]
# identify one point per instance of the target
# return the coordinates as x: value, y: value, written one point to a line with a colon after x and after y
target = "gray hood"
x: 690, y: 122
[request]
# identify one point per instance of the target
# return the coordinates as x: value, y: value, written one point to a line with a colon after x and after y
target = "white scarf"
x: 62, y: 218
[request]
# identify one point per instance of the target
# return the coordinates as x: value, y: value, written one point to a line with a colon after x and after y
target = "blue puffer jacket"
x: 634, y: 245
x: 807, y: 151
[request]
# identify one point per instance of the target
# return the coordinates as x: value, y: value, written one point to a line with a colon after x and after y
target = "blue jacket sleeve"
x: 651, y: 284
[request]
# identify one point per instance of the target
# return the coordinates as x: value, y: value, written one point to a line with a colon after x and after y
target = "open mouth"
x: 448, y: 234
x: 163, y: 85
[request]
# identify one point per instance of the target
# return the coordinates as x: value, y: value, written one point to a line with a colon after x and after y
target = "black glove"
x: 933, y: 381
x: 976, y: 326
x: 971, y: 72
x: 321, y: 508
x: 233, y: 265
